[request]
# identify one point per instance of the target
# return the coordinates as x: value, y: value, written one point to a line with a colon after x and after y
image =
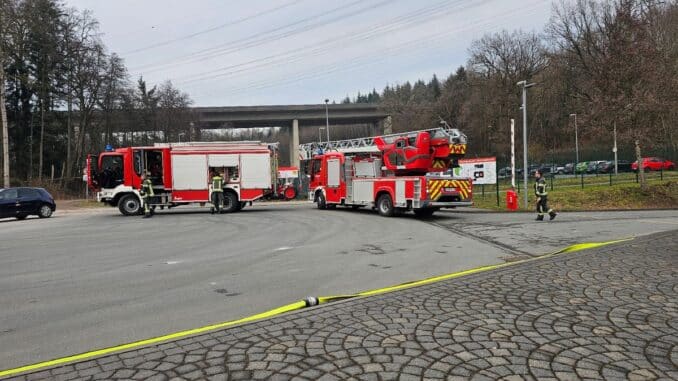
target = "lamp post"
x: 525, y: 86
x: 576, y: 140
x: 327, y: 121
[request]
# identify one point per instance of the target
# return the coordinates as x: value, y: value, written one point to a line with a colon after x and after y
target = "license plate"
x: 449, y: 189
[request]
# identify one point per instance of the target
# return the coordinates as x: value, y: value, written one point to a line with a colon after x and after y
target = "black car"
x: 608, y: 166
x: 23, y: 202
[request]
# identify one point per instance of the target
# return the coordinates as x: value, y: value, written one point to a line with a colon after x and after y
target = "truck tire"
x: 231, y: 203
x: 129, y: 205
x: 320, y: 200
x: 385, y: 205
x: 290, y: 193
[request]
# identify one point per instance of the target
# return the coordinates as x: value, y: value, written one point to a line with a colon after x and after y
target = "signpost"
x: 482, y: 170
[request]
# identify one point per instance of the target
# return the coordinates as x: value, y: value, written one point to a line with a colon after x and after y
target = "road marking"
x: 283, y: 248
x: 288, y: 308
x: 172, y: 262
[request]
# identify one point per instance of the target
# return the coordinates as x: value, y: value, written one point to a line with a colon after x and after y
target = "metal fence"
x: 570, y: 181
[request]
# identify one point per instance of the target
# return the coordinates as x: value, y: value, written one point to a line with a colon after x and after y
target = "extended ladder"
x: 367, y: 145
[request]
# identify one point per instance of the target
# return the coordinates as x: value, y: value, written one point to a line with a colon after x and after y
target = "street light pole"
x: 576, y: 140
x: 614, y: 149
x: 526, y: 169
x: 327, y: 122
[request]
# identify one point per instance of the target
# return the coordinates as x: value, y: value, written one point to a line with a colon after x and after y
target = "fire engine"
x: 392, y: 173
x: 180, y: 173
x: 287, y: 189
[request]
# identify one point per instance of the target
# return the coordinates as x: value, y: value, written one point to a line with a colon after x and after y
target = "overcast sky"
x: 228, y: 52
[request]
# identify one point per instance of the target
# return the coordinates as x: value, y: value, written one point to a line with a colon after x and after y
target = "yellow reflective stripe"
x: 458, y: 149
x: 435, y: 187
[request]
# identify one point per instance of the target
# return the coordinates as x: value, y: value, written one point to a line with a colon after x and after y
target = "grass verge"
x: 629, y: 196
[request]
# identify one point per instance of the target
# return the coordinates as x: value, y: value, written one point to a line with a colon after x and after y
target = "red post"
x: 511, y: 200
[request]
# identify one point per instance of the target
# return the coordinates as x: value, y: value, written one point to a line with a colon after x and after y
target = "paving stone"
x: 603, y: 313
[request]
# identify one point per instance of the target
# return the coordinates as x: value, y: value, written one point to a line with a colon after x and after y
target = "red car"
x: 654, y: 164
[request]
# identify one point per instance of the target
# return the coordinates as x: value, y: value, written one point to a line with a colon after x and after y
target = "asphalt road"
x: 82, y: 281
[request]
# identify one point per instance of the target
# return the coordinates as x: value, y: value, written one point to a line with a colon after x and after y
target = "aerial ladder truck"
x: 392, y: 173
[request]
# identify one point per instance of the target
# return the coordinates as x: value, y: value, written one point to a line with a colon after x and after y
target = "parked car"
x: 558, y: 169
x: 568, y: 169
x: 547, y: 168
x: 581, y: 167
x: 23, y: 202
x: 624, y: 166
x: 504, y: 172
x: 608, y: 166
x: 593, y: 166
x: 654, y: 164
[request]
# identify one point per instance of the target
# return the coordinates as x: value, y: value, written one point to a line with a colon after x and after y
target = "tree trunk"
x: 3, y: 116
x: 69, y: 133
x: 42, y: 134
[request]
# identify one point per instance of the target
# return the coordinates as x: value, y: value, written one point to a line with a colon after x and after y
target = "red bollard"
x: 511, y: 200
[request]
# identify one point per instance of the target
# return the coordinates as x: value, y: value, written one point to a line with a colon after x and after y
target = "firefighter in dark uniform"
x: 542, y: 198
x: 146, y: 192
x: 217, y: 192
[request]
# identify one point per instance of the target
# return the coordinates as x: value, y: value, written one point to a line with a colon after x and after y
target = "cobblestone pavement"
x: 607, y: 313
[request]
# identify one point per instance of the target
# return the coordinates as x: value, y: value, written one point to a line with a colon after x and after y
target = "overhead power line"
x: 268, y: 36
x: 383, y: 54
x: 397, y: 24
x: 212, y: 29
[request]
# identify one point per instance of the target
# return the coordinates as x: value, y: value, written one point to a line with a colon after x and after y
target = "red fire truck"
x: 180, y: 173
x: 392, y: 173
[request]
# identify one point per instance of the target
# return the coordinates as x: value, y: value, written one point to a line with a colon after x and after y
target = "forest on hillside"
x: 612, y: 63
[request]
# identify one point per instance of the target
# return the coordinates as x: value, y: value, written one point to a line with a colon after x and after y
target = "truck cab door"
x: 334, y: 180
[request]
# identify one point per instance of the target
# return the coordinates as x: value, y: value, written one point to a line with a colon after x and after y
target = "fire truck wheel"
x: 290, y: 193
x: 231, y: 203
x: 129, y: 205
x: 385, y: 205
x: 321, y: 201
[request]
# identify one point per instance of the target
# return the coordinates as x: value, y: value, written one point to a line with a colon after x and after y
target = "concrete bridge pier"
x: 386, y: 125
x: 294, y: 143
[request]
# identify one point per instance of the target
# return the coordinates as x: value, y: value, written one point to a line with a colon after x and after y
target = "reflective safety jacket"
x: 217, y: 184
x: 147, y: 188
x: 540, y: 187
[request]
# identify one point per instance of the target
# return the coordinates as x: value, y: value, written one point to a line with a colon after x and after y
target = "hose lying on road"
x: 307, y: 302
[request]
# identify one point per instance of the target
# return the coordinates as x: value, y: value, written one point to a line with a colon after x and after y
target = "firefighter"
x: 542, y: 197
x: 146, y: 192
x: 217, y: 192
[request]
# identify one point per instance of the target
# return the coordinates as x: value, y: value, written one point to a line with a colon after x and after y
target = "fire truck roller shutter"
x: 223, y: 160
x: 255, y: 171
x: 184, y: 173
